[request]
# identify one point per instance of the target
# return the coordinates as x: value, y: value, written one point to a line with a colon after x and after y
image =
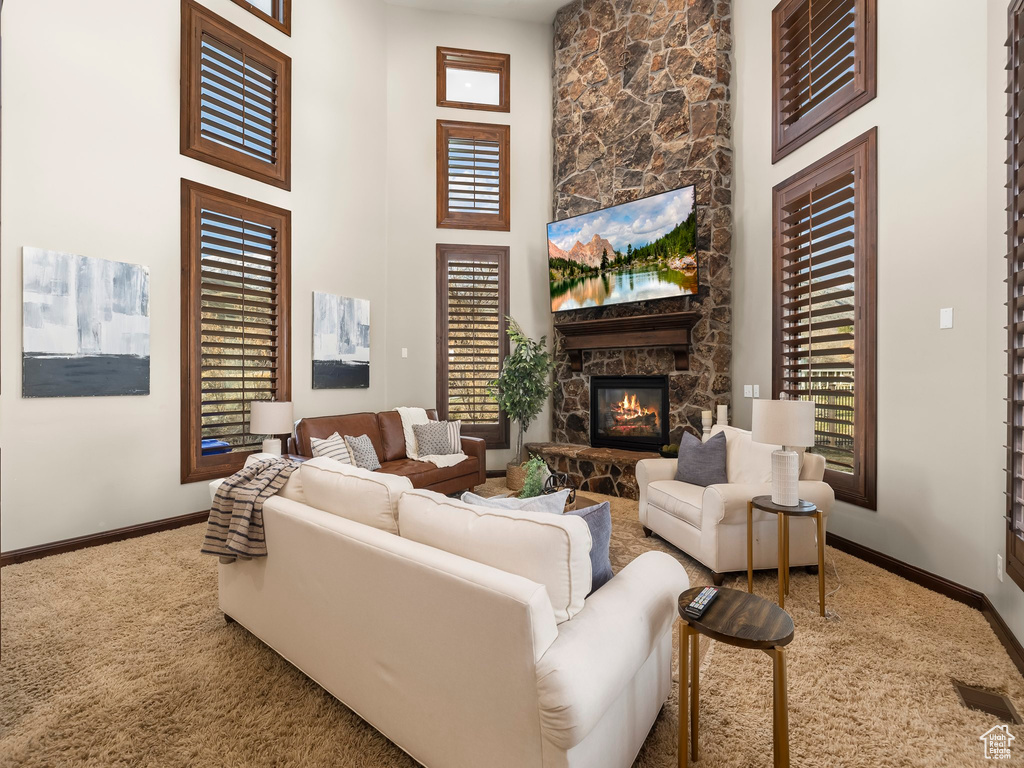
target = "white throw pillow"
x: 745, y: 460
x: 333, y: 447
x: 370, y: 498
x: 552, y: 503
x: 553, y: 550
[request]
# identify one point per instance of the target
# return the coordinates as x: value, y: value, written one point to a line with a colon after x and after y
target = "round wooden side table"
x: 746, y: 621
x: 802, y: 509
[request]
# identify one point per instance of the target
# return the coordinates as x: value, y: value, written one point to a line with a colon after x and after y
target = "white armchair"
x: 710, y: 524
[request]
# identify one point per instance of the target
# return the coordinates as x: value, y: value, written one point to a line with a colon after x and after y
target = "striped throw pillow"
x: 333, y: 447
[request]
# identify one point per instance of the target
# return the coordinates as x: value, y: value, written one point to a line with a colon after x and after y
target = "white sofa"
x: 459, y: 663
x: 710, y: 524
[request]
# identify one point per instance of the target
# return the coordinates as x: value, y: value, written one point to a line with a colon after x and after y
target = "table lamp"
x: 789, y: 423
x: 271, y: 417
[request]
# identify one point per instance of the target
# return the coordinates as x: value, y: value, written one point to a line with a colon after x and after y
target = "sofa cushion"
x: 700, y: 463
x: 435, y: 439
x: 362, y: 453
x: 423, y: 473
x: 334, y: 447
x: 393, y: 435
x: 681, y: 500
x: 325, y: 426
x: 553, y: 503
x: 745, y: 460
x: 553, y: 550
x: 370, y: 498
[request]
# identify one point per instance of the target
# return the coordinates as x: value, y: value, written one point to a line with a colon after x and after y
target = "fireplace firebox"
x: 629, y: 412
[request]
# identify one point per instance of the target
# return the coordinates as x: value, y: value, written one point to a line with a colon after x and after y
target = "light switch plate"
x: 405, y: 352
x: 757, y: 390
x: 748, y: 391
x: 946, y: 317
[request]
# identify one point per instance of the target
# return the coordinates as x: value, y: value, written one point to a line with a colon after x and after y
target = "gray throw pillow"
x: 599, y: 519
x: 361, y: 451
x: 434, y: 439
x: 548, y: 502
x: 701, y: 463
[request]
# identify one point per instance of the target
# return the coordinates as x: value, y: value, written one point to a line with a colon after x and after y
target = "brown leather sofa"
x: 388, y: 438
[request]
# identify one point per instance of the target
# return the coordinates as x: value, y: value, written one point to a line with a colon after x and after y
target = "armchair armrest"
x: 727, y: 503
x: 601, y: 649
x: 649, y: 470
x: 475, y: 446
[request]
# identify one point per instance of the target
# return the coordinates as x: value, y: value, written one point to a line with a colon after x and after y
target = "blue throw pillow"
x: 701, y: 463
x: 599, y: 519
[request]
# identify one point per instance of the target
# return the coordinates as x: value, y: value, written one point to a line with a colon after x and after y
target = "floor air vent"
x: 990, y: 702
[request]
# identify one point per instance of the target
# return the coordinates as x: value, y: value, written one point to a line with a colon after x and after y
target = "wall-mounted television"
x: 637, y: 251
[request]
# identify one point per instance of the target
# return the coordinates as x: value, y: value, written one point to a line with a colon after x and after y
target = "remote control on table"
x: 701, y: 602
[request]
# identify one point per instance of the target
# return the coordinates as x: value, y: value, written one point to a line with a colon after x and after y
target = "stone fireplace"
x: 629, y: 412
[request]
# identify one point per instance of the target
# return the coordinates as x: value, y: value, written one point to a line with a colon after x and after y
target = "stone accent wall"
x: 641, y: 105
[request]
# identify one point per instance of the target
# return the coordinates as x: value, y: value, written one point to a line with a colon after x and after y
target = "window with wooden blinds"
x: 235, y: 101
x: 235, y: 326
x: 277, y: 13
x: 823, y: 292
x: 472, y: 304
x: 472, y: 176
x: 823, y: 57
x: 1015, y: 303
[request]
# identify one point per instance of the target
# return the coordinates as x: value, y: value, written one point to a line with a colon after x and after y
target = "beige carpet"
x: 111, y: 657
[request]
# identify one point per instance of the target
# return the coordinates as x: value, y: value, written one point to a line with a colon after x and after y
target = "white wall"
x: 940, y: 244
x: 413, y: 36
x: 91, y: 166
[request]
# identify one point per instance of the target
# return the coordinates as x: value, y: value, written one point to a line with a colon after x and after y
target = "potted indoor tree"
x: 521, y: 389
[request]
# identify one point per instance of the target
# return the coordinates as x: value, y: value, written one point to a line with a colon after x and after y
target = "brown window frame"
x: 454, y: 129
x: 195, y: 22
x: 496, y: 435
x: 281, y: 19
x: 474, y: 61
x: 194, y: 197
x: 860, y: 157
x: 1014, y: 511
x: 844, y: 101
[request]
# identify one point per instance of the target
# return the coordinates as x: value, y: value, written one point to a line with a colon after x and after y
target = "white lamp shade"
x: 270, y: 417
x: 783, y: 422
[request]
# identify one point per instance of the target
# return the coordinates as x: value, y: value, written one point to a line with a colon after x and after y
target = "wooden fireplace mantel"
x: 670, y: 330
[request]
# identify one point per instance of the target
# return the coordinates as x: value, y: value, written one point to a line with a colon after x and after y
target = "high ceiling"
x: 540, y: 11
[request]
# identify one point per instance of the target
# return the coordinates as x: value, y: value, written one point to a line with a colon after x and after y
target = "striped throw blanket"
x: 235, y: 527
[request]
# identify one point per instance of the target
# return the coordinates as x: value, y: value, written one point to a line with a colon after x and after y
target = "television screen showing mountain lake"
x: 619, y: 287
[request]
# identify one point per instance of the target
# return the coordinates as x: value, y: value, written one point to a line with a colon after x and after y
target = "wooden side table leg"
x: 780, y: 715
x: 750, y: 546
x: 782, y: 561
x: 684, y: 674
x: 821, y: 562
x: 785, y: 525
x: 694, y: 692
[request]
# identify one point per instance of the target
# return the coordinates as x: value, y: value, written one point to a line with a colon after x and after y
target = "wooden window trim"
x: 497, y: 436
x: 841, y: 104
x: 475, y: 61
x: 1015, y: 331
x: 195, y: 20
x: 860, y: 154
x: 284, y: 23
x: 195, y: 466
x: 447, y: 129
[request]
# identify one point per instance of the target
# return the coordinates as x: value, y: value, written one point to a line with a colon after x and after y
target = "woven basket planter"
x: 515, y: 476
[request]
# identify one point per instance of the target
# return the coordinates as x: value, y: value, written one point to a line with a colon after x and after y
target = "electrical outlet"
x: 757, y: 390
x: 748, y: 391
x: 405, y: 351
x: 999, y: 567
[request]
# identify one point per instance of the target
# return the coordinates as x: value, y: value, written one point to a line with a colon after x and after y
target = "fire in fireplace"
x: 629, y: 412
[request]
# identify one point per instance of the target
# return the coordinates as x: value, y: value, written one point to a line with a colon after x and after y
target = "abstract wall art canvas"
x: 85, y: 326
x: 341, y: 342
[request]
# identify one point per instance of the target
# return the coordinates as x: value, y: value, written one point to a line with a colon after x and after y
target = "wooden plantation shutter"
x: 824, y: 309
x: 823, y: 56
x: 1015, y: 303
x: 460, y: 60
x: 235, y: 324
x: 277, y: 13
x: 472, y: 304
x: 235, y: 99
x: 472, y: 176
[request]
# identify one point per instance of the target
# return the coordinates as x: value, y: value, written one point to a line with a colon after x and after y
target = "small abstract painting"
x: 341, y: 342
x: 85, y: 326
